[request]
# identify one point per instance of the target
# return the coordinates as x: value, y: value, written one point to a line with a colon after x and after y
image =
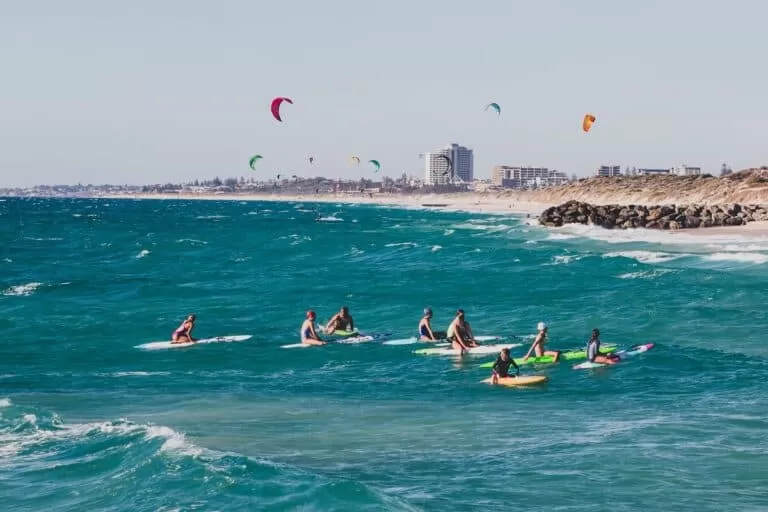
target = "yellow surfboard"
x: 523, y: 380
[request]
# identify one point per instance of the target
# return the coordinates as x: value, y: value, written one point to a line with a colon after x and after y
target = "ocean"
x: 90, y: 422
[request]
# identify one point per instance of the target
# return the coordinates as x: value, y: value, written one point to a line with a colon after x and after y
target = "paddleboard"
x: 413, y: 340
x: 163, y: 345
x: 522, y: 380
x: 570, y: 355
x: 351, y: 340
x: 473, y: 351
x: 623, y: 354
x: 344, y: 334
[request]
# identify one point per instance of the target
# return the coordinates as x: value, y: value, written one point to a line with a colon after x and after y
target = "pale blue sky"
x: 132, y: 92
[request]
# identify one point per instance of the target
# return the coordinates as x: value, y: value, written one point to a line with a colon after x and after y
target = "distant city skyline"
x: 140, y: 92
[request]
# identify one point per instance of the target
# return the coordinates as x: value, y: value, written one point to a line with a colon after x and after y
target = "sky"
x: 168, y: 91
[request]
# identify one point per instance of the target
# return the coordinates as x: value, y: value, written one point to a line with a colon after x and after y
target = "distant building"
x: 436, y: 168
x: 608, y: 171
x: 685, y: 170
x: 652, y: 172
x: 527, y: 177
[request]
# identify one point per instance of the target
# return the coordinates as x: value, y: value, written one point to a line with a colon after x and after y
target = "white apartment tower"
x: 436, y: 168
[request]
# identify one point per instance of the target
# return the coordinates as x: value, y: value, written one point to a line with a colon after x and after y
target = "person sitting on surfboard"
x: 460, y: 334
x: 341, y: 321
x: 593, y: 350
x: 425, y: 328
x: 538, y: 344
x: 501, y: 366
x: 309, y: 332
x: 183, y: 334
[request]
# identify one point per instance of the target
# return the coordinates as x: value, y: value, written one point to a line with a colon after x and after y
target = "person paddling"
x: 183, y: 334
x: 501, y: 366
x: 593, y: 351
x: 538, y: 344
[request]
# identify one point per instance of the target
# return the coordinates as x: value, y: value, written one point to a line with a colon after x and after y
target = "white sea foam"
x: 560, y: 236
x: 5, y: 402
x: 330, y: 219
x: 436, y: 248
x: 645, y: 256
x: 191, y: 241
x: 142, y: 254
x: 212, y: 217
x: 402, y: 244
x: 645, y: 274
x: 741, y: 257
x: 22, y: 290
x: 449, y: 232
x: 565, y: 259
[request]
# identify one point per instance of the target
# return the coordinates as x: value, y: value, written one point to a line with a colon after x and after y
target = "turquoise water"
x: 89, y: 422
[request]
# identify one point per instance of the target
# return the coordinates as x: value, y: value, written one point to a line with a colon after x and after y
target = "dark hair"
x: 192, y: 317
x: 505, y: 351
x: 344, y: 308
x: 460, y: 312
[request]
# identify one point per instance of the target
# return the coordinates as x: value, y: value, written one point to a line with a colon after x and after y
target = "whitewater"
x: 90, y: 422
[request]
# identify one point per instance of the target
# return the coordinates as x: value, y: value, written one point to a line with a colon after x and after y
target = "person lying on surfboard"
x: 460, y: 333
x: 538, y: 344
x: 341, y: 321
x: 425, y: 328
x: 309, y: 331
x: 593, y: 350
x: 183, y: 334
x: 501, y: 366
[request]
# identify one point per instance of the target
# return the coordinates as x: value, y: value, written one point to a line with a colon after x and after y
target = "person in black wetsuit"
x: 501, y: 366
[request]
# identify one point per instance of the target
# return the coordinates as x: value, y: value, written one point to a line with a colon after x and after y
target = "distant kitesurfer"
x: 183, y: 334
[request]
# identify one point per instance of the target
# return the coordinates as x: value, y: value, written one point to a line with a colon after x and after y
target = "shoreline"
x: 457, y: 202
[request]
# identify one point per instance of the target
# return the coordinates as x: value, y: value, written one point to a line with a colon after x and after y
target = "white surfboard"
x: 164, y: 345
x: 413, y: 340
x: 473, y: 351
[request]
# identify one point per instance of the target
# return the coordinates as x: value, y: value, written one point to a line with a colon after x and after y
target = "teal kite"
x: 494, y: 106
x: 375, y: 164
x: 253, y: 161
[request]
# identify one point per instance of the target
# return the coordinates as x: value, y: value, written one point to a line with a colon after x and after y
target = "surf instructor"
x: 183, y: 334
x: 341, y: 321
x: 459, y: 333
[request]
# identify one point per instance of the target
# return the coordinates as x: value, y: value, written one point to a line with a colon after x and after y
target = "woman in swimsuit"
x: 425, y: 328
x: 309, y: 332
x: 184, y: 332
x: 538, y: 344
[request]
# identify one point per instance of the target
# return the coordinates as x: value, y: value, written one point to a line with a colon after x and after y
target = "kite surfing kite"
x: 494, y: 106
x: 276, y: 106
x: 376, y: 164
x: 355, y: 160
x: 253, y: 161
x: 311, y: 159
x: 448, y: 163
x: 586, y: 124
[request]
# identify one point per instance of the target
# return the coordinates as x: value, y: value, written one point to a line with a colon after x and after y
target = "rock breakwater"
x: 671, y: 216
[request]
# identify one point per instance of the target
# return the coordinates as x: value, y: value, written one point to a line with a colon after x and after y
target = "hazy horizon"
x: 176, y: 91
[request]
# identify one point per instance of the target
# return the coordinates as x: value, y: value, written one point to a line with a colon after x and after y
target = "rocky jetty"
x: 652, y: 217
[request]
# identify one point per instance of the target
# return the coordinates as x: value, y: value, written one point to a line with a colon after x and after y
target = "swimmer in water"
x: 183, y: 334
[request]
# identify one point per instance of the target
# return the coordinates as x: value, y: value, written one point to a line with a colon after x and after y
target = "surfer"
x: 538, y: 344
x: 309, y: 332
x: 593, y: 350
x: 341, y: 321
x: 501, y: 366
x: 425, y: 328
x: 460, y: 333
x: 183, y: 334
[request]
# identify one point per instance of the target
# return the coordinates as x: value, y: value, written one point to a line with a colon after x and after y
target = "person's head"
x: 311, y: 315
x: 191, y: 318
x: 504, y: 354
x: 542, y: 327
x: 595, y: 333
x: 344, y: 310
x: 460, y: 313
x: 428, y: 312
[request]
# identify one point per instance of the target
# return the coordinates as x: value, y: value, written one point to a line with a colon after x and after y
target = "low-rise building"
x: 686, y: 170
x: 524, y: 177
x: 608, y: 171
x: 653, y: 172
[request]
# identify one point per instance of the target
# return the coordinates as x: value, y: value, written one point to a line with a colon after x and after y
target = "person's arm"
x: 517, y: 368
x: 313, y: 331
x: 431, y: 334
x: 331, y: 322
x: 189, y: 332
x: 495, y: 372
x: 533, y: 346
x: 351, y: 323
